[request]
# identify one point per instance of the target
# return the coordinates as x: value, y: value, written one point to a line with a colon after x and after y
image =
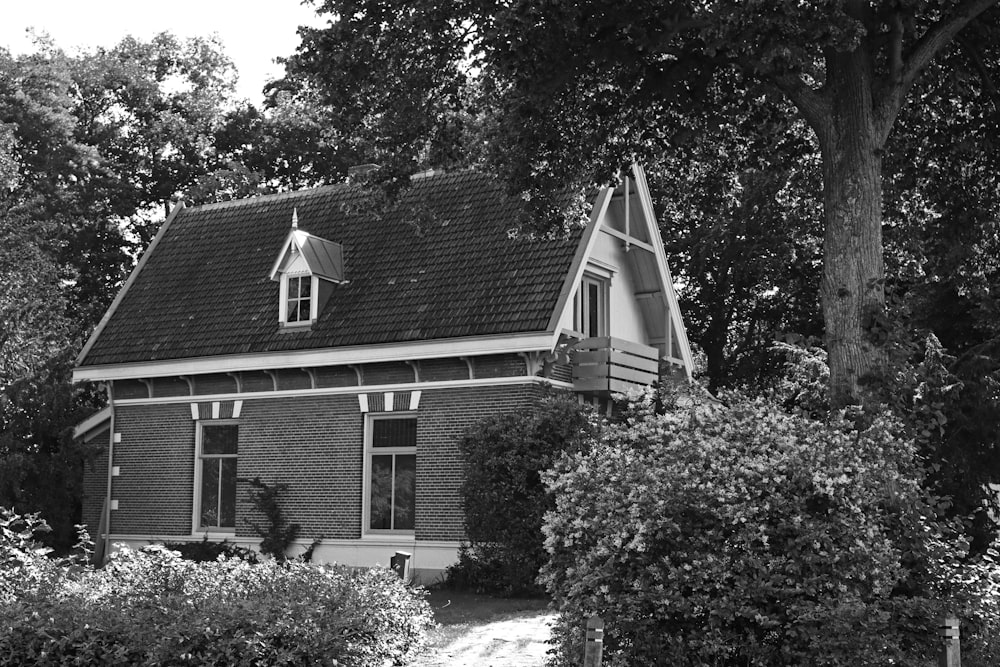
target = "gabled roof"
x: 204, y: 288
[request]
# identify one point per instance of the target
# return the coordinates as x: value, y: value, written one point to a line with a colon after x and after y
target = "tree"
x: 91, y: 145
x: 585, y: 87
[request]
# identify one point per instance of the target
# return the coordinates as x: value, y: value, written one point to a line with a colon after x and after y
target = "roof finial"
x: 295, y: 217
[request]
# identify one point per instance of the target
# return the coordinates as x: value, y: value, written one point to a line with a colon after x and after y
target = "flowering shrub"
x: 152, y: 607
x: 745, y: 535
x: 503, y: 496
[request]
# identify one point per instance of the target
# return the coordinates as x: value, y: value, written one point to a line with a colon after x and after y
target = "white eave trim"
x: 361, y: 354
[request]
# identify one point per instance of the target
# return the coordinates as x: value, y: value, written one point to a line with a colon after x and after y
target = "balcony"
x: 606, y: 365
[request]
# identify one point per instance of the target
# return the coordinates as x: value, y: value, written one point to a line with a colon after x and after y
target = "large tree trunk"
x: 852, y: 290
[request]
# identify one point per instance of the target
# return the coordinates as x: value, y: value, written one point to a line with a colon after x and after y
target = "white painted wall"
x: 625, y: 318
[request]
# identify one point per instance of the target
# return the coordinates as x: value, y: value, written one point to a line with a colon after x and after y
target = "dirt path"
x: 486, y: 632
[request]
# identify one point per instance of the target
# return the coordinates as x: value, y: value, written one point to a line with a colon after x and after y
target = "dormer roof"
x: 321, y: 257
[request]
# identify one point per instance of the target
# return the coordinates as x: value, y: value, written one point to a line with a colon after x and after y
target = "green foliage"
x: 276, y: 533
x: 503, y: 496
x: 746, y: 535
x: 206, y: 551
x: 151, y: 607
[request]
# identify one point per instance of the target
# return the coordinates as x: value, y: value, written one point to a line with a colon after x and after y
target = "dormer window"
x: 307, y: 268
x: 299, y: 301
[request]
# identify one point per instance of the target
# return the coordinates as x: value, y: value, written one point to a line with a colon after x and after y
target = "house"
x: 298, y: 339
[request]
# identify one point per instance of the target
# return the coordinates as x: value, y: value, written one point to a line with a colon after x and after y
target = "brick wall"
x: 434, y: 370
x: 444, y: 415
x: 214, y: 383
x: 314, y: 444
x: 156, y: 457
x: 499, y: 365
x: 129, y: 389
x: 95, y: 485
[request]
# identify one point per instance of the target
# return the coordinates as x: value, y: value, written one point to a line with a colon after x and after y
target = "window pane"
x: 305, y: 287
x: 293, y: 311
x: 293, y: 287
x: 219, y: 438
x: 394, y: 433
x: 227, y: 504
x: 209, y: 493
x: 406, y: 485
x: 593, y: 309
x: 381, y: 493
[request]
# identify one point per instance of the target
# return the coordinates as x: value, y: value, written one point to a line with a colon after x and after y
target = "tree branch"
x: 813, y: 105
x: 928, y: 46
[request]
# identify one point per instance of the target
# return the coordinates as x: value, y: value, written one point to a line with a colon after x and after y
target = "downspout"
x: 111, y: 463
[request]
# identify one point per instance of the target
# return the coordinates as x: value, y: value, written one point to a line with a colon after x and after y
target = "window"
x: 391, y: 473
x: 215, y: 477
x: 590, y: 307
x: 299, y: 301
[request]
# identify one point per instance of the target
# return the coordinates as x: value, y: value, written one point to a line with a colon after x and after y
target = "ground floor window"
x: 215, y: 476
x: 391, y: 473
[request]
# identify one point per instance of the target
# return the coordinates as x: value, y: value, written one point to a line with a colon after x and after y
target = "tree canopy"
x: 575, y: 90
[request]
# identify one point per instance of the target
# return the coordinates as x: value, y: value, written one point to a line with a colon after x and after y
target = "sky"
x: 252, y: 33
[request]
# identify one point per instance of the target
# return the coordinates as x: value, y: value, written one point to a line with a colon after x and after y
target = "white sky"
x: 253, y: 33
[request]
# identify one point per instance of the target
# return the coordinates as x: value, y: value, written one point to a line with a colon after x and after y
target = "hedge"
x: 151, y: 607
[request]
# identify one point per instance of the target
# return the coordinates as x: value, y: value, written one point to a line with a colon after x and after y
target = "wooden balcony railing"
x: 606, y: 365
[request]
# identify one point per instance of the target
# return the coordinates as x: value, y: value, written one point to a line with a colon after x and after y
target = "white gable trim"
x: 584, y: 250
x: 128, y: 283
x: 642, y: 189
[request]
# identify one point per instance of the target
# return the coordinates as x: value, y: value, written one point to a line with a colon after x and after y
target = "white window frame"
x: 581, y: 302
x: 370, y: 419
x: 313, y: 300
x: 196, y: 527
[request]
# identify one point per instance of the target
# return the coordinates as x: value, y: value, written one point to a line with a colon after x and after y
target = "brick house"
x: 298, y: 339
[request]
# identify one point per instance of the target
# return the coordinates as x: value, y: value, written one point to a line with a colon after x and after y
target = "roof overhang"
x: 335, y: 356
x: 93, y: 426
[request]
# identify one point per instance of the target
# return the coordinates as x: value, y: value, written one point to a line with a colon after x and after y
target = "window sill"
x: 216, y: 534
x: 285, y: 327
x: 389, y: 536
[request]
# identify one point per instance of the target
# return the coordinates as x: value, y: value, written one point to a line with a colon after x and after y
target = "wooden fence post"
x: 595, y: 642
x: 951, y: 654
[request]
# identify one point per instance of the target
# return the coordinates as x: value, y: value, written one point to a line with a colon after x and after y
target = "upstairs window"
x: 299, y: 301
x: 590, y: 307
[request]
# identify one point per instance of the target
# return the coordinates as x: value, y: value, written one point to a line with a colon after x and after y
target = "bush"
x: 151, y: 607
x: 753, y: 537
x: 503, y: 496
x: 206, y: 551
x: 26, y: 571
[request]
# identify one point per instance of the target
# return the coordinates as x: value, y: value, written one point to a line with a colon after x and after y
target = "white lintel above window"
x: 599, y: 269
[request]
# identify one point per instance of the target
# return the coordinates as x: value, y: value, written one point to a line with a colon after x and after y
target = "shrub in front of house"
x: 150, y: 607
x: 745, y: 535
x: 503, y: 496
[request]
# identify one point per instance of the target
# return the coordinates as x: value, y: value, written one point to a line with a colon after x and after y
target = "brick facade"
x: 314, y: 444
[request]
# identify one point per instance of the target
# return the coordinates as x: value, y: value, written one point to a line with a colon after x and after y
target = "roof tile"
x: 205, y: 289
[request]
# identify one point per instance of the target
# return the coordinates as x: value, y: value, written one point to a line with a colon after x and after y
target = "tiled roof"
x: 205, y: 289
